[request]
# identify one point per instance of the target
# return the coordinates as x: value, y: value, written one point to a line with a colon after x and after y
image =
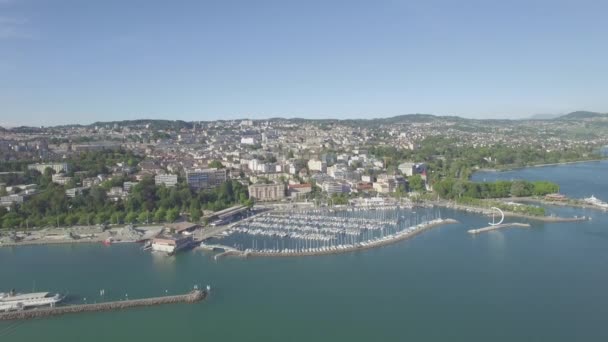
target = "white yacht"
x: 596, y: 202
x: 19, y: 301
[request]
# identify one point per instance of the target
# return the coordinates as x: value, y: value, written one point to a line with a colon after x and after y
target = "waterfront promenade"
x: 191, y: 297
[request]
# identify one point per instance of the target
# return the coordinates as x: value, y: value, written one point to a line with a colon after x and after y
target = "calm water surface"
x: 548, y: 283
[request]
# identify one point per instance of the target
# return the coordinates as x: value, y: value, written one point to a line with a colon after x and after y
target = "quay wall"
x: 47, y: 241
x: 191, y: 297
x: 354, y: 248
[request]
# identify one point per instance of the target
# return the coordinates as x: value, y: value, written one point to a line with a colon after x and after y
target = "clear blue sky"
x: 82, y: 61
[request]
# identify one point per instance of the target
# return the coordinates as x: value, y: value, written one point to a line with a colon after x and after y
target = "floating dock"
x: 191, y: 297
x: 498, y: 226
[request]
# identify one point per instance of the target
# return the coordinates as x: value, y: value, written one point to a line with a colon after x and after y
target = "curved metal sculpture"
x: 502, y: 217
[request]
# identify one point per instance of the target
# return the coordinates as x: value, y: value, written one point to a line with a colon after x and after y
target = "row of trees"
x: 93, y: 163
x: 147, y: 203
x: 449, y: 160
x: 451, y: 188
x: 515, y: 208
x: 96, y: 162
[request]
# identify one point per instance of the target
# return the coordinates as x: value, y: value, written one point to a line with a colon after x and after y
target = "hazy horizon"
x: 536, y: 117
x: 71, y: 62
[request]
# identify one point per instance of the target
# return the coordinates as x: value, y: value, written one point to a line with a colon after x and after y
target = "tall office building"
x: 206, y: 178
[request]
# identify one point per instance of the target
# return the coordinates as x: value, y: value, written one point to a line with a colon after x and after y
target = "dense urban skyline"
x: 232, y: 60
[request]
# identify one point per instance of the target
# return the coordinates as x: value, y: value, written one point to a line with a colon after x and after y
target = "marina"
x: 323, y: 231
x: 343, y: 248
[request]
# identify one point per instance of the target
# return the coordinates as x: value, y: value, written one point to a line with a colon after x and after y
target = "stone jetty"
x: 191, y: 297
x: 498, y: 226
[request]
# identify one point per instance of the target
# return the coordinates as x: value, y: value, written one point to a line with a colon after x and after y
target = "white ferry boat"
x: 596, y: 202
x: 20, y: 301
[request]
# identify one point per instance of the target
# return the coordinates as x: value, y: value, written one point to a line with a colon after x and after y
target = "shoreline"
x: 59, y: 236
x: 509, y: 168
x: 486, y: 211
x: 42, y: 242
x: 438, y: 203
x: 50, y: 242
x: 576, y: 204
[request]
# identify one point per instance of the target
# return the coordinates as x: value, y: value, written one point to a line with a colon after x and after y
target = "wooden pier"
x: 191, y: 297
x: 498, y: 226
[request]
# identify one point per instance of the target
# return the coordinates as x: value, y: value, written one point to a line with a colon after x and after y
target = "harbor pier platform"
x: 498, y: 226
x: 190, y: 297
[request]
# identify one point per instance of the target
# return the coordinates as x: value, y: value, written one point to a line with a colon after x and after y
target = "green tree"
x: 11, y: 220
x: 416, y: 183
x: 86, y: 218
x: 172, y: 214
x: 144, y: 217
x: 542, y: 188
x: 520, y: 189
x: 195, y: 216
x: 458, y: 188
x: 115, y: 218
x: 131, y: 217
x: 216, y: 164
x: 444, y: 188
x: 159, y: 215
x: 72, y: 219
x: 195, y: 211
x: 102, y: 217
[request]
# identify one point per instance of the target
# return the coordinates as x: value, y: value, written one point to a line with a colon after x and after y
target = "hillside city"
x: 275, y: 160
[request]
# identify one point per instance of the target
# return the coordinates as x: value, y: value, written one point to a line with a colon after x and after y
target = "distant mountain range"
x: 578, y: 115
x: 545, y: 116
x: 582, y: 115
x: 407, y: 118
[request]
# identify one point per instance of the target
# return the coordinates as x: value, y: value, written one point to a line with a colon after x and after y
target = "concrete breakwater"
x: 351, y: 248
x: 498, y: 226
x: 191, y: 297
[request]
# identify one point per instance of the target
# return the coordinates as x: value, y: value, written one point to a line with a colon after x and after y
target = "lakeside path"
x: 488, y: 211
x: 63, y: 235
x: 44, y: 241
x: 373, y: 244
